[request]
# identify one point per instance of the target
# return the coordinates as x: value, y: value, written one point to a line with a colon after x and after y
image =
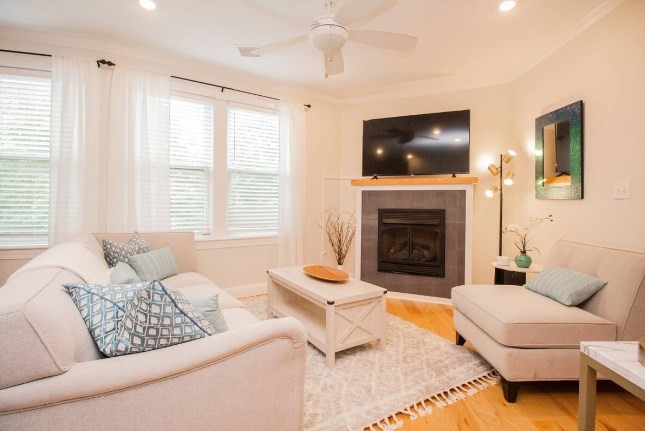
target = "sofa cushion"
x: 238, y: 317
x: 194, y: 284
x: 622, y: 300
x: 517, y: 317
x: 116, y: 252
x: 155, y: 264
x: 565, y: 285
x: 126, y: 319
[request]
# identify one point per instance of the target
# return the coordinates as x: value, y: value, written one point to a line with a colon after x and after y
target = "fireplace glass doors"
x: 412, y: 241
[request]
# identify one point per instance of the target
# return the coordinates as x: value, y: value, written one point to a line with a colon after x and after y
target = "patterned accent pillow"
x: 125, y: 319
x: 116, y: 252
x: 102, y: 307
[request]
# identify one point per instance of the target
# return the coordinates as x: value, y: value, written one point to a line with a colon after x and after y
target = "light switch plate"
x: 621, y: 190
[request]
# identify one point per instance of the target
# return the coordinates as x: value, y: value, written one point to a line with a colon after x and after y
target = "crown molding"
x: 428, y: 88
x: 56, y: 43
x: 59, y: 43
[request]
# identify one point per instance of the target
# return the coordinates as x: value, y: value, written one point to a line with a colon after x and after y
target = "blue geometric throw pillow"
x: 132, y: 318
x: 102, y: 307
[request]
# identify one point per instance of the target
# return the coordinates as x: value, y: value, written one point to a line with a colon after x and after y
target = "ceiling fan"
x: 329, y: 32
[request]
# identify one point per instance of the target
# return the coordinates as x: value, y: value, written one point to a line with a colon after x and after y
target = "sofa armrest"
x: 243, y: 378
x: 182, y: 245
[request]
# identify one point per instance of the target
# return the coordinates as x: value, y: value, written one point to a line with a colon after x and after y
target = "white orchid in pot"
x: 519, y: 235
x: 340, y: 230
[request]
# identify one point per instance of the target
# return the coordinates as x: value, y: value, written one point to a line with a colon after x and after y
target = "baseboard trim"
x: 247, y: 290
x: 419, y: 298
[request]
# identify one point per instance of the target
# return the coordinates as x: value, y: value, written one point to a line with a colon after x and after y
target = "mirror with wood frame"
x: 558, y: 154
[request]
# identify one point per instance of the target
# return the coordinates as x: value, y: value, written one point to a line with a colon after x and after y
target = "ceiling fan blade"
x: 334, y: 63
x: 383, y: 39
x: 281, y: 12
x: 359, y: 12
x: 275, y: 46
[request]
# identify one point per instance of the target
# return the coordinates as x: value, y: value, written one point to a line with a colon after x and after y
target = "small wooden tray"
x: 326, y: 273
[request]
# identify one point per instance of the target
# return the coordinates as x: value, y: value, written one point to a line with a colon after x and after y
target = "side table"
x: 616, y: 360
x: 512, y: 274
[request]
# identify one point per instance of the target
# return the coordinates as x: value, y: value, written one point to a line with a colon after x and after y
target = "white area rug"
x: 417, y: 371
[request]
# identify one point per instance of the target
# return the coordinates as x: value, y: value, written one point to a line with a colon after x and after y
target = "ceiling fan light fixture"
x: 148, y: 4
x: 328, y: 36
x: 507, y: 5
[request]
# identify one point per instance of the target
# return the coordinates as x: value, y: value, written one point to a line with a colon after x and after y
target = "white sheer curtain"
x: 293, y: 144
x: 138, y: 155
x: 76, y: 202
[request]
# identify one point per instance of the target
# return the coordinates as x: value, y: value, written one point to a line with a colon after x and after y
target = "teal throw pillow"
x: 565, y: 285
x: 155, y: 264
x: 123, y: 273
x: 208, y: 305
x: 126, y: 319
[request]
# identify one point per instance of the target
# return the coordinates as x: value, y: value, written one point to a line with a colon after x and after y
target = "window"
x: 25, y: 116
x: 191, y: 161
x: 253, y: 171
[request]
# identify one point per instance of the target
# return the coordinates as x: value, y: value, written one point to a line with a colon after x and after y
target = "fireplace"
x: 412, y: 241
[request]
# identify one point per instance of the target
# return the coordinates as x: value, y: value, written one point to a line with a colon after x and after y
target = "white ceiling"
x: 460, y: 42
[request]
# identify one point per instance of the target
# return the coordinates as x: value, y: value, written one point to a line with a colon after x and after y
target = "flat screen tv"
x: 425, y: 144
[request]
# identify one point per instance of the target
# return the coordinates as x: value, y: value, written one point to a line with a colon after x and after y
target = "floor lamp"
x: 503, y: 180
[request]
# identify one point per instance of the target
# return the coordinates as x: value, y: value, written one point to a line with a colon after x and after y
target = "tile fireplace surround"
x: 456, y: 199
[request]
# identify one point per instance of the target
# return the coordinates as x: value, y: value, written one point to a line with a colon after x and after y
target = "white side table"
x: 513, y: 274
x: 616, y: 360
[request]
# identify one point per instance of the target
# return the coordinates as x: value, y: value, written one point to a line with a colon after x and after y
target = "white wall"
x: 605, y: 67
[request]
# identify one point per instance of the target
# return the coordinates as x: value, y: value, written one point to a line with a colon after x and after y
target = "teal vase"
x: 523, y: 260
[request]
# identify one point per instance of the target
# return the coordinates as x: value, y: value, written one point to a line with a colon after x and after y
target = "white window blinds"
x: 253, y: 163
x: 25, y: 116
x: 191, y: 161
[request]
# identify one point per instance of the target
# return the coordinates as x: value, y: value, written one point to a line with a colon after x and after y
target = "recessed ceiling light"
x: 507, y: 5
x: 379, y: 151
x: 436, y: 131
x: 457, y: 139
x: 409, y: 156
x: 148, y: 4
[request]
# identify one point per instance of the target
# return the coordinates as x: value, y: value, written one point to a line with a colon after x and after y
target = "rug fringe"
x: 439, y: 399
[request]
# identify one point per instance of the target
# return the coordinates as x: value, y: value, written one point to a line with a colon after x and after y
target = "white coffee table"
x: 337, y: 315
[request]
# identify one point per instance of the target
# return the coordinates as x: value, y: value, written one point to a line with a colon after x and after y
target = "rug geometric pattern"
x: 416, y: 372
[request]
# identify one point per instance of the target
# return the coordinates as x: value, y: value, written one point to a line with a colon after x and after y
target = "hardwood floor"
x: 540, y: 406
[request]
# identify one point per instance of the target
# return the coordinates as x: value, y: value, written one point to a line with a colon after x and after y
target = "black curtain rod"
x: 223, y: 88
x: 26, y: 52
x: 109, y: 63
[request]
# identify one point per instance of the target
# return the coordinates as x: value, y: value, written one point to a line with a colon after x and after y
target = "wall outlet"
x: 621, y: 190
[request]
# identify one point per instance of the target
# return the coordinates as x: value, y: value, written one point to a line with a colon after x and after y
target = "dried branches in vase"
x: 340, y: 229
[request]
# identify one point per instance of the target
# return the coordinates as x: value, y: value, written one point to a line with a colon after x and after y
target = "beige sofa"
x: 529, y: 337
x: 53, y: 377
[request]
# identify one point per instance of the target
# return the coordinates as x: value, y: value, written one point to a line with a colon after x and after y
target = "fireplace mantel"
x: 412, y: 181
